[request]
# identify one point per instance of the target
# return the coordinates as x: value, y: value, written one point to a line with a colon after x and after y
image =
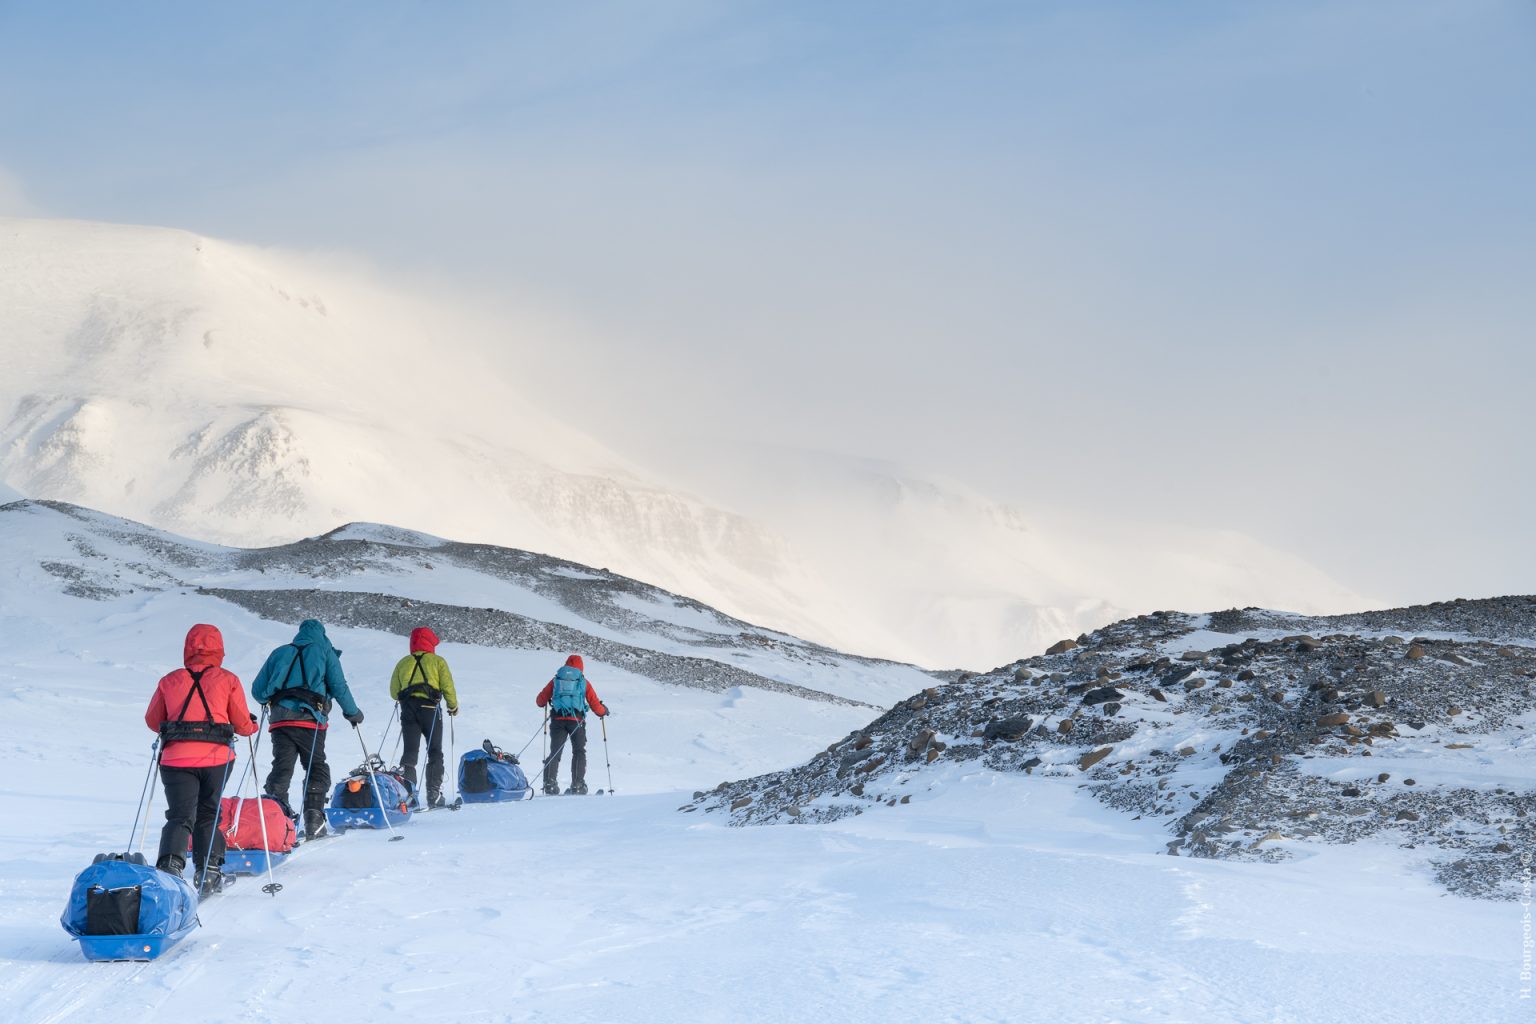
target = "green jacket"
x: 434, y: 670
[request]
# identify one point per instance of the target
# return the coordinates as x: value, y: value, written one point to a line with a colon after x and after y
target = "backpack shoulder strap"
x: 423, y: 690
x: 197, y: 691
x: 297, y: 662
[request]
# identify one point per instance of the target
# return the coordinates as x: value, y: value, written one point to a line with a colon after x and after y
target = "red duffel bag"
x: 240, y: 821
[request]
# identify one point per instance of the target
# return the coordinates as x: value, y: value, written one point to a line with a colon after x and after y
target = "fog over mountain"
x: 247, y: 396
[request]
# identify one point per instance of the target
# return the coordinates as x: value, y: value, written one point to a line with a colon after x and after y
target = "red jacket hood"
x: 574, y: 661
x: 423, y: 639
x: 204, y: 648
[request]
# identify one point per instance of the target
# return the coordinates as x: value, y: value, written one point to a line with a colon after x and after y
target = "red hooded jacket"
x: 574, y: 661
x: 204, y: 651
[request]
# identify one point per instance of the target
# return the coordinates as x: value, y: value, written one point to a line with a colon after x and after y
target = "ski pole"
x: 213, y: 836
x: 390, y: 725
x: 272, y: 888
x: 309, y: 771
x: 535, y: 736
x: 603, y: 721
x: 145, y: 833
x: 452, y: 767
x: 139, y: 808
x: 437, y: 715
x: 394, y: 836
x: 256, y: 749
x: 556, y: 751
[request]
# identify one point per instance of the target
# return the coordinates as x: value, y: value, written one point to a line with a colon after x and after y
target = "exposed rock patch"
x: 1243, y: 744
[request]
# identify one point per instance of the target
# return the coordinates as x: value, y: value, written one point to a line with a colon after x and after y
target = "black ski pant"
x: 565, y: 732
x: 192, y: 809
x: 308, y: 747
x: 420, y: 718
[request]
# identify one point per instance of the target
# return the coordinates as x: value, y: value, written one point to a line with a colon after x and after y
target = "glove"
x: 254, y: 720
x: 356, y: 719
x: 605, y: 714
x: 452, y: 712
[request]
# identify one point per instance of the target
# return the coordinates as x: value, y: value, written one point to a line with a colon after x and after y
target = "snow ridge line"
x: 492, y: 627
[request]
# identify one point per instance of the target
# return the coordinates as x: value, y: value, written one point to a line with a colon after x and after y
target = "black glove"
x: 452, y: 712
x: 254, y: 719
x: 356, y: 718
x: 605, y: 714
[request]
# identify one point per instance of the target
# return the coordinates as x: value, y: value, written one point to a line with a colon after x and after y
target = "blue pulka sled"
x: 251, y: 862
x: 365, y: 811
x: 124, y: 909
x: 487, y: 779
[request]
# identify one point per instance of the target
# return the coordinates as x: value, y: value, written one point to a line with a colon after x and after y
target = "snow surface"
x: 249, y: 397
x: 987, y: 898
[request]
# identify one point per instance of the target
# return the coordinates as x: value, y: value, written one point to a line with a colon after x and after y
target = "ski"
x: 329, y: 833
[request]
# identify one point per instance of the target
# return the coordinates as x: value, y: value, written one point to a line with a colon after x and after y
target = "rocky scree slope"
x: 1246, y: 732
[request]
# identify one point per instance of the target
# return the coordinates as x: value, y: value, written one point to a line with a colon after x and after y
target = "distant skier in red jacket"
x: 198, y: 711
x: 568, y: 696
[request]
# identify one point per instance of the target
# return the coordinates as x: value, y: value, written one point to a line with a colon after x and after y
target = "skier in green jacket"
x: 420, y: 681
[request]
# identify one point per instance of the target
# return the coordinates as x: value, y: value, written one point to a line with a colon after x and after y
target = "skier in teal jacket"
x: 299, y: 682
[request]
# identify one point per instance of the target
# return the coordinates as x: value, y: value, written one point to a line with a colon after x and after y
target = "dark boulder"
x: 1102, y: 695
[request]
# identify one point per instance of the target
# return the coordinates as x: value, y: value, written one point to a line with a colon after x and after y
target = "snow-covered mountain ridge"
x: 251, y: 397
x: 385, y: 579
x: 1245, y: 734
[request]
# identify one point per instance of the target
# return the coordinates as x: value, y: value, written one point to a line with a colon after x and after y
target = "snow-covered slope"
x: 252, y: 397
x: 991, y: 896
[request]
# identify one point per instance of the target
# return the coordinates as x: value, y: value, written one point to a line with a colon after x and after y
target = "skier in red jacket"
x: 569, y: 695
x: 198, y: 711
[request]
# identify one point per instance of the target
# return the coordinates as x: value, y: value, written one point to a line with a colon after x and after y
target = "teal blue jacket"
x: 310, y: 663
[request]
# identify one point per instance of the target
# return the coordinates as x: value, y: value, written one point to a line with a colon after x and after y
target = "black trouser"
x: 565, y: 732
x: 192, y: 809
x: 420, y: 718
x: 308, y: 746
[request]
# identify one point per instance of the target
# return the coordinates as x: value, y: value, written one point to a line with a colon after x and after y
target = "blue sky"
x: 1268, y: 264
